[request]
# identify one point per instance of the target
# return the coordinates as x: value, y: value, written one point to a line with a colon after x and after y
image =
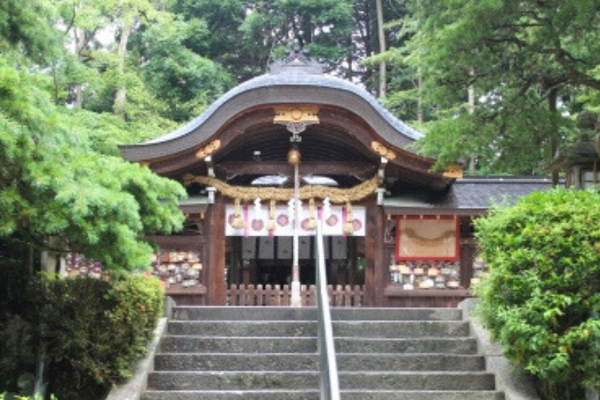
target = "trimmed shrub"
x: 542, y: 298
x: 6, y: 396
x: 94, y: 330
x: 17, y: 356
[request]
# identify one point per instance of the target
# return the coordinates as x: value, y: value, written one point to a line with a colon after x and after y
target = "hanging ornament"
x: 326, y: 208
x: 258, y: 209
x: 271, y: 225
x: 349, y: 226
x: 238, y: 221
x: 312, y: 221
x: 257, y: 223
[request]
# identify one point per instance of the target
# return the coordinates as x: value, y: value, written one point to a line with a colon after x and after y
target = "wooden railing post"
x: 276, y: 295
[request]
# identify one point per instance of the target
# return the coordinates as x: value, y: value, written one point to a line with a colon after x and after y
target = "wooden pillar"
x: 374, y: 254
x: 216, y: 253
x: 468, y: 249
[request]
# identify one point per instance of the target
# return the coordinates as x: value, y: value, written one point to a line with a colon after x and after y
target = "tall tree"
x: 56, y: 190
x: 245, y: 35
x: 184, y: 81
x: 82, y: 21
x: 382, y: 49
x: 128, y: 14
x: 532, y: 61
x: 403, y: 85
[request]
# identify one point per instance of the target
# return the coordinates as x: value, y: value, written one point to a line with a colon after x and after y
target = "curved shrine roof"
x: 285, y: 85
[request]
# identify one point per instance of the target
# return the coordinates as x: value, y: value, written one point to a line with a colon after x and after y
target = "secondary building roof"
x: 467, y: 196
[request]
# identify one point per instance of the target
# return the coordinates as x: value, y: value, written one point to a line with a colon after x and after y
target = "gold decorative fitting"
x: 294, y: 156
x: 453, y: 171
x: 303, y: 114
x: 383, y: 151
x: 208, y: 149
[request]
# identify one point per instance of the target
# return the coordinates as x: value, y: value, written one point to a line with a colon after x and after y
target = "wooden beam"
x: 231, y: 169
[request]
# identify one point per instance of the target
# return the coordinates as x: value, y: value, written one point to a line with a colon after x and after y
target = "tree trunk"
x: 552, y: 98
x: 420, y: 97
x: 78, y: 86
x: 121, y: 95
x: 471, y: 90
x: 350, y: 72
x: 382, y: 49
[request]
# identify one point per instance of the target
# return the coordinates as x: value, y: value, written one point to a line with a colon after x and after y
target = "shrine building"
x: 299, y: 145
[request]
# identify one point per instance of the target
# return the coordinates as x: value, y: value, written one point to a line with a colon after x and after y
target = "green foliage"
x: 522, y: 59
x: 54, y: 184
x: 186, y: 82
x: 243, y: 36
x: 94, y: 330
x: 5, y: 396
x: 502, y: 143
x: 166, y: 60
x: 17, y: 351
x: 542, y: 299
x: 105, y: 131
x: 27, y: 31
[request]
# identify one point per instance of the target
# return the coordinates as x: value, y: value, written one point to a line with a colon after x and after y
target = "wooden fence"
x: 276, y: 295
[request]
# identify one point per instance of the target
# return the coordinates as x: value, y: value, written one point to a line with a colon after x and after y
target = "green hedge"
x: 6, y: 396
x: 542, y: 298
x: 94, y: 330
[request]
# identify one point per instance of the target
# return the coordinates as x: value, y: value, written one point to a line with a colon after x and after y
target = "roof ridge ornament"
x: 296, y: 60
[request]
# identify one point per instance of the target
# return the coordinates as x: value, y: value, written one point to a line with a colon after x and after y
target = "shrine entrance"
x: 260, y: 254
x: 268, y: 260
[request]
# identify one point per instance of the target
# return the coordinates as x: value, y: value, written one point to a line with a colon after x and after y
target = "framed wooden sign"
x: 431, y: 238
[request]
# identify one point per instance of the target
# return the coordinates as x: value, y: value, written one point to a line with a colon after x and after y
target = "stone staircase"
x: 223, y: 353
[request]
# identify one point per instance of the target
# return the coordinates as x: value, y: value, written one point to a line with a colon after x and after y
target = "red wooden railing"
x: 276, y: 295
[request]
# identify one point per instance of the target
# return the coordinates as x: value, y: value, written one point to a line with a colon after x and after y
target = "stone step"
x: 411, y: 345
x: 381, y: 329
x: 310, y: 314
x: 199, y: 344
x: 419, y: 395
x: 314, y: 395
x: 396, y: 314
x: 244, y: 328
x: 233, y: 380
x: 442, y: 381
x: 224, y: 344
x: 405, y: 329
x: 236, y: 362
x: 410, y: 362
x: 310, y: 362
x: 310, y: 380
x: 233, y: 395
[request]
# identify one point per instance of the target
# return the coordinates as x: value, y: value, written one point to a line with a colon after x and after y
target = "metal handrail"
x: 330, y: 389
